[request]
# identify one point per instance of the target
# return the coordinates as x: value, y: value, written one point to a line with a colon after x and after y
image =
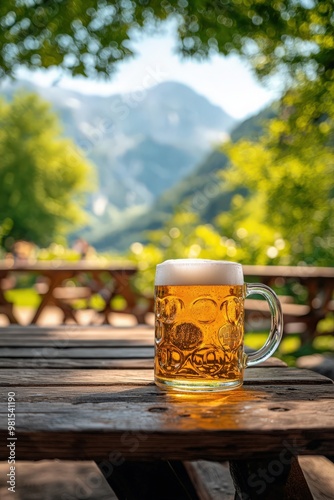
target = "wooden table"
x: 88, y: 394
x: 319, y: 285
x: 55, y: 275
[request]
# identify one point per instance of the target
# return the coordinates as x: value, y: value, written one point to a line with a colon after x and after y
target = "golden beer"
x: 199, y: 325
x: 199, y: 335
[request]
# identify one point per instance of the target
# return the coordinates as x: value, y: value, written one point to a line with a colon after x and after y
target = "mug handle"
x: 276, y: 329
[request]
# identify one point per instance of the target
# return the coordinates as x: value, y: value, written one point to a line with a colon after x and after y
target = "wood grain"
x: 55, y: 480
x: 80, y: 330
x: 212, y: 480
x: 94, y: 377
x: 138, y: 362
x: 70, y: 363
x: 77, y: 352
x: 319, y: 474
x: 85, y: 397
x: 75, y: 395
x: 99, y: 440
x: 145, y: 423
x: 69, y: 342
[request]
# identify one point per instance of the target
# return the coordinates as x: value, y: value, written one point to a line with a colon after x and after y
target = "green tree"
x: 43, y: 177
x: 292, y: 39
x: 286, y: 212
x: 287, y: 215
x: 288, y: 209
x: 89, y: 36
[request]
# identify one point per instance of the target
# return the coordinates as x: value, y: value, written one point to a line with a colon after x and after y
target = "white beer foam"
x: 199, y: 272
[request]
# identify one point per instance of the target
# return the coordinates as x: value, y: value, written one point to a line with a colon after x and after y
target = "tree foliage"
x: 89, y: 36
x: 287, y: 213
x: 43, y: 177
x: 289, y: 177
x: 284, y: 213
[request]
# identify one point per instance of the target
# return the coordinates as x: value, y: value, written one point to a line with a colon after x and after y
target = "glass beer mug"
x: 199, y: 325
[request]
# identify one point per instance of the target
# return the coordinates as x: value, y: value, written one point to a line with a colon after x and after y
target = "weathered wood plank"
x: 319, y: 474
x: 80, y: 330
x: 63, y: 343
x: 143, y: 445
x: 139, y: 357
x: 67, y: 410
x: 53, y: 377
x: 78, y: 352
x: 211, y: 479
x: 143, y: 422
x: 242, y: 412
x: 74, y: 395
x: 71, y: 479
x: 184, y: 431
x: 52, y: 480
x: 43, y: 362
x: 60, y: 416
x: 33, y: 342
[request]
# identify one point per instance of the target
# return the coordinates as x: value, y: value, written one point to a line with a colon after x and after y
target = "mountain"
x: 142, y: 143
x: 153, y: 150
x: 199, y: 191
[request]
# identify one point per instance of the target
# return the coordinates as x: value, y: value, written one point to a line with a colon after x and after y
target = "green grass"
x: 325, y: 343
x: 286, y: 351
x: 256, y: 340
x: 23, y: 297
x: 290, y: 348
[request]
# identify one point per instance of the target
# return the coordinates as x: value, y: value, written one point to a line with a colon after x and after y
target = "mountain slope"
x: 141, y: 142
x: 199, y: 192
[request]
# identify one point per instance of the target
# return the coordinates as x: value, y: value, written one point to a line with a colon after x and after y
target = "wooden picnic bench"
x: 304, y: 318
x: 107, y: 279
x: 87, y: 393
x: 298, y: 318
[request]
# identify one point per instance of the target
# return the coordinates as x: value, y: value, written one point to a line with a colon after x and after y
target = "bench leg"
x: 149, y: 480
x: 269, y: 479
x: 7, y: 310
x: 67, y: 310
x: 10, y: 315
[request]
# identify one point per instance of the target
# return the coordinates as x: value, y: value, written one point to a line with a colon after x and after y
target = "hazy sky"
x: 227, y: 82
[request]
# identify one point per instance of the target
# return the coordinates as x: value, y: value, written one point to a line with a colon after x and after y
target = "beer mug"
x: 199, y: 325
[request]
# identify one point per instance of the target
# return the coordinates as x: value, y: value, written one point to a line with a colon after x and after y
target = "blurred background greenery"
x: 264, y: 196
